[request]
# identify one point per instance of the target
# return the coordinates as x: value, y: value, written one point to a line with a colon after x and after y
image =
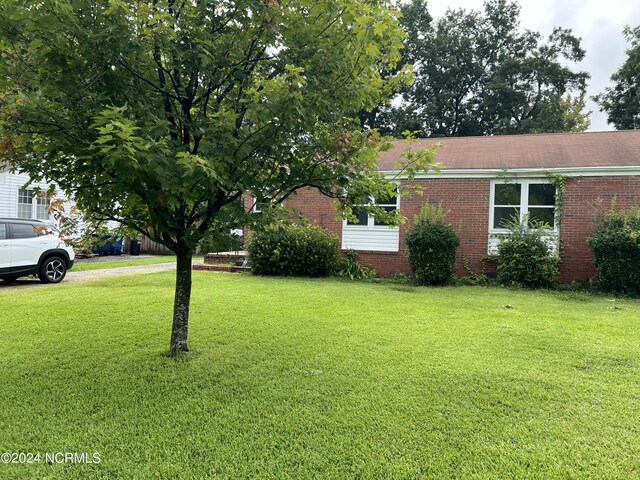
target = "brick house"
x: 488, y: 179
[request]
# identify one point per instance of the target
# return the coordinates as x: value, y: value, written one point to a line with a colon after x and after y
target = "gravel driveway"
x: 85, y: 276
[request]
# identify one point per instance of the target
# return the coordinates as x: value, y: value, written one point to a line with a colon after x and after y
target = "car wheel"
x: 52, y: 270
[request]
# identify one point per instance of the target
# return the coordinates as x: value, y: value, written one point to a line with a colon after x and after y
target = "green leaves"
x: 616, y: 246
x: 161, y: 114
x: 621, y: 102
x: 480, y: 73
x: 432, y: 244
x: 525, y: 257
x: 290, y: 249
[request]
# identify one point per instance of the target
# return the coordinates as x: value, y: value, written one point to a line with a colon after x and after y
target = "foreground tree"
x: 160, y: 114
x: 480, y: 73
x: 622, y: 101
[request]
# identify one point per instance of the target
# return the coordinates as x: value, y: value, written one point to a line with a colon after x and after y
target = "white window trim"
x: 371, y: 221
x: 255, y: 208
x: 524, y: 203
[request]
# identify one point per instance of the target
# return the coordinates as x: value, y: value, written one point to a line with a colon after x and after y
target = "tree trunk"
x: 180, y: 327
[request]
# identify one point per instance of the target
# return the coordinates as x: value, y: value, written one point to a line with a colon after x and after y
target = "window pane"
x: 42, y: 208
x: 25, y: 197
x: 544, y: 215
x: 42, y: 213
x: 388, y: 209
x: 24, y: 211
x: 503, y: 215
x: 387, y: 200
x: 507, y: 194
x: 25, y: 202
x: 3, y: 231
x: 542, y: 194
x: 362, y: 217
x: 23, y: 231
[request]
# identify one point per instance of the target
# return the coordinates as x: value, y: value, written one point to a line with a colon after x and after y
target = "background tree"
x: 622, y: 101
x: 480, y: 73
x: 160, y: 114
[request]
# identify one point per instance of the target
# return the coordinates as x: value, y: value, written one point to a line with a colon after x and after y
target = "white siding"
x: 4, y: 194
x: 377, y: 239
x: 10, y: 184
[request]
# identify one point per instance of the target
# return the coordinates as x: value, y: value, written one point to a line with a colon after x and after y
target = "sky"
x: 598, y: 23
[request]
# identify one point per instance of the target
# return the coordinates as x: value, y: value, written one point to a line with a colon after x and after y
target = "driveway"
x: 88, y: 275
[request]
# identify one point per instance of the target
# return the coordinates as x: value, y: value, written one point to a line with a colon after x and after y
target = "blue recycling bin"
x: 108, y: 245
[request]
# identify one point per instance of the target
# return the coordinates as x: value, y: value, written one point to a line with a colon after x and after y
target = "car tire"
x: 52, y: 270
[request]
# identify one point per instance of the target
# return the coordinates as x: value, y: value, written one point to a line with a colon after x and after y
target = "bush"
x: 524, y: 256
x: 616, y: 246
x: 292, y: 249
x: 432, y: 246
x: 350, y: 268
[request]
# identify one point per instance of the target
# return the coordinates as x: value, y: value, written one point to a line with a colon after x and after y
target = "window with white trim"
x: 516, y: 198
x: 32, y: 206
x: 259, y: 205
x: 363, y: 219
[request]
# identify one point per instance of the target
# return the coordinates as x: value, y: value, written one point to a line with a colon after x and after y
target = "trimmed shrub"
x: 292, y: 249
x: 432, y: 244
x: 616, y: 246
x: 525, y: 257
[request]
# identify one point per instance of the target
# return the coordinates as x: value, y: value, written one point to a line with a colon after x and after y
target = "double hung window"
x: 363, y: 219
x: 534, y: 199
x: 33, y: 206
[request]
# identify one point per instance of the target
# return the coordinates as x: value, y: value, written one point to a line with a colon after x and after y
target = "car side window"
x: 3, y: 231
x: 23, y: 230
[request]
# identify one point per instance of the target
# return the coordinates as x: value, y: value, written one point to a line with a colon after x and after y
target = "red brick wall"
x: 316, y: 207
x: 581, y: 200
x: 467, y: 201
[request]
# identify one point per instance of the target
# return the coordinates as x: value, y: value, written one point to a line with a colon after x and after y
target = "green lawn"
x: 293, y: 378
x: 116, y: 261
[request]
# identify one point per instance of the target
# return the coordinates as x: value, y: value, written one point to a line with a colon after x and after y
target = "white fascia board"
x: 524, y: 172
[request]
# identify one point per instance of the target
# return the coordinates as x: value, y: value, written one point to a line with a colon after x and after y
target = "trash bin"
x: 115, y: 245
x: 135, y: 247
x: 108, y: 245
x: 101, y: 246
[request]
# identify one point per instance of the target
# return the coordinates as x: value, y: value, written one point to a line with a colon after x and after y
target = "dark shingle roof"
x: 555, y: 150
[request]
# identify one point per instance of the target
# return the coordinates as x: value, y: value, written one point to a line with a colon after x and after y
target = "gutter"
x: 626, y: 171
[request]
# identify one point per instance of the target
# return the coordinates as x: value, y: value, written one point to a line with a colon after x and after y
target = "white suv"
x: 30, y: 247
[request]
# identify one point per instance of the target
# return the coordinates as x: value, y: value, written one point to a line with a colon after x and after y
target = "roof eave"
x: 609, y: 171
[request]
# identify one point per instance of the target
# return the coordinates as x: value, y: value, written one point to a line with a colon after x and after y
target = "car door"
x: 5, y: 249
x: 26, y: 245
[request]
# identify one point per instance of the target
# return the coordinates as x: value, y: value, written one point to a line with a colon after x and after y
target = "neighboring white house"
x: 19, y: 200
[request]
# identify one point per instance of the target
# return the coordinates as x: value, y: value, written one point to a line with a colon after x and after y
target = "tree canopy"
x: 621, y: 102
x: 160, y: 114
x: 480, y: 73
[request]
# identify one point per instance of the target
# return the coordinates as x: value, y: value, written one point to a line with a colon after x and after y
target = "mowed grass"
x: 294, y: 378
